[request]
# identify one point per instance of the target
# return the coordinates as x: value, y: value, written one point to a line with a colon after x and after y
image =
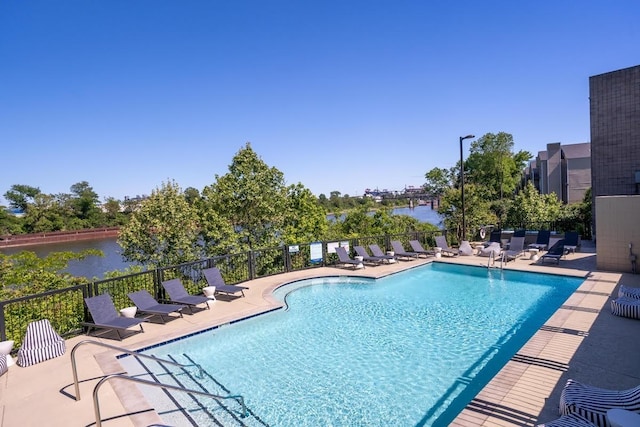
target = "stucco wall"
x: 618, y: 225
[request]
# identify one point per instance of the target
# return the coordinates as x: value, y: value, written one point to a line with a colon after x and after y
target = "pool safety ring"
x: 483, y: 233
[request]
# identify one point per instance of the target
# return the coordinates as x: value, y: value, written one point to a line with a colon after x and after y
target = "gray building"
x: 615, y: 132
x: 562, y: 169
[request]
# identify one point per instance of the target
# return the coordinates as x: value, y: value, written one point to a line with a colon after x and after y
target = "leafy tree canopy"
x: 252, y: 198
x: 163, y: 231
x: 493, y: 165
x: 20, y: 195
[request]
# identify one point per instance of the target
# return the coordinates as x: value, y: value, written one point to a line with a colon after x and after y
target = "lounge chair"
x: 400, y: 251
x: 516, y: 249
x: 593, y: 403
x: 378, y: 253
x: 344, y: 259
x: 441, y: 242
x: 626, y: 307
x: 41, y: 342
x: 417, y: 247
x: 214, y: 278
x: 520, y: 233
x: 179, y: 295
x: 553, y: 240
x: 147, y: 304
x: 571, y: 241
x: 362, y: 252
x: 542, y: 240
x: 494, y: 237
x: 554, y: 253
x: 627, y: 292
x: 569, y: 420
x: 105, y: 316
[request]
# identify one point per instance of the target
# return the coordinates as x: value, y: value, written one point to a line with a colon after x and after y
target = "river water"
x: 95, y: 267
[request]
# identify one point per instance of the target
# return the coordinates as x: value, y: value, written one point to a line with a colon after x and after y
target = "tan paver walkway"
x: 581, y: 340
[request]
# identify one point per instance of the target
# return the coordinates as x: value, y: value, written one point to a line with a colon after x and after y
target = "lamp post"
x: 464, y: 223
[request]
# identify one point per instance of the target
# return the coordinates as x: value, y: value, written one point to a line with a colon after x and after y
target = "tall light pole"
x: 464, y: 223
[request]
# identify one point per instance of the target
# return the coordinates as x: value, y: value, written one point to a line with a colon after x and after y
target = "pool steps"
x: 178, y: 389
x: 178, y: 408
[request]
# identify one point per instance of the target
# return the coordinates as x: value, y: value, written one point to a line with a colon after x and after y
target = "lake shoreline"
x: 22, y: 240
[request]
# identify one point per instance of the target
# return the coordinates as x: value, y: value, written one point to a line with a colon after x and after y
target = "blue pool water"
x: 410, y: 349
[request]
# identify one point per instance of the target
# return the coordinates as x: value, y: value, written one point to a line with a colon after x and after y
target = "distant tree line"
x: 79, y: 209
x: 495, y: 193
x: 249, y: 207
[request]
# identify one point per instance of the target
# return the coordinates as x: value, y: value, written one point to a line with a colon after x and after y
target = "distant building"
x: 562, y: 169
x: 615, y: 132
x: 615, y: 166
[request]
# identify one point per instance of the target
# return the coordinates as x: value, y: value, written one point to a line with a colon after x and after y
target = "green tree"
x: 19, y: 196
x: 438, y: 181
x: 533, y: 209
x: 477, y: 212
x: 163, y: 231
x: 192, y: 195
x: 24, y: 273
x: 252, y: 198
x: 305, y: 219
x: 46, y: 213
x: 85, y: 203
x: 113, y: 212
x: 493, y: 165
x: 9, y: 223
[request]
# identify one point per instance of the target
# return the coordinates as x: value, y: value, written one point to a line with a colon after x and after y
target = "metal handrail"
x: 96, y: 403
x: 74, y: 367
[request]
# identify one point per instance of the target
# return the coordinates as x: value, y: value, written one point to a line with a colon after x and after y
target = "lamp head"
x: 467, y: 137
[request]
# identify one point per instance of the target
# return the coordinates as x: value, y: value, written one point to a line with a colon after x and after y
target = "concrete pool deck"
x: 582, y: 340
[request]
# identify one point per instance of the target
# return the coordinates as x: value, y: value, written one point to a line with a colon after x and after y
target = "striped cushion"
x: 570, y: 420
x: 3, y: 364
x: 40, y: 343
x: 593, y: 403
x: 628, y: 292
x: 626, y: 307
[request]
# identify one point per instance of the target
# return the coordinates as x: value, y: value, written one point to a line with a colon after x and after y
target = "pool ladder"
x: 492, y: 260
x: 96, y: 403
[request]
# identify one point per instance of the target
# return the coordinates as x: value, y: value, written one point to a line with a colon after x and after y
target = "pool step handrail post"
x: 74, y: 366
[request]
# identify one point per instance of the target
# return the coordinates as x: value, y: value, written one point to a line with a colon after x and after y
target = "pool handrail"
x: 74, y: 367
x: 96, y: 403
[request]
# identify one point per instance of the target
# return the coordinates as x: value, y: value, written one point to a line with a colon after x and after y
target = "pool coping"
x: 581, y: 340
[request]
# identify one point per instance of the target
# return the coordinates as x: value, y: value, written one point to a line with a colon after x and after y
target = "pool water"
x: 410, y: 349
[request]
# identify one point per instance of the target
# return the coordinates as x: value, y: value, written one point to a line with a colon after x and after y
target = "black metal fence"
x: 66, y: 311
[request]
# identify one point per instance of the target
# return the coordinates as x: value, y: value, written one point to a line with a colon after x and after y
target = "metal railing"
x: 96, y: 401
x: 74, y: 367
x: 66, y: 311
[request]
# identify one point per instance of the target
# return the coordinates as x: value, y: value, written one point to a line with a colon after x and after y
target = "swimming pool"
x: 410, y: 349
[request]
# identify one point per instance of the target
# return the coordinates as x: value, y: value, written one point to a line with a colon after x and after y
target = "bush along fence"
x: 66, y: 311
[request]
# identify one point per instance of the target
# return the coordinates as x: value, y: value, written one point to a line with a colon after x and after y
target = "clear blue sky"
x: 338, y: 95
